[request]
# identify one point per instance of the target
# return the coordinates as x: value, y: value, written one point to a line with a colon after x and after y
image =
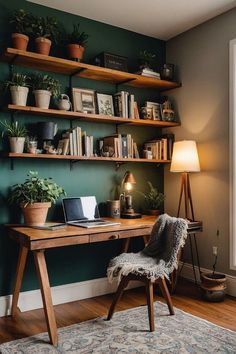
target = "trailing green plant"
x: 146, y: 58
x: 45, y: 82
x: 18, y: 79
x: 46, y: 27
x: 21, y: 22
x: 35, y: 190
x: 153, y: 198
x: 75, y: 37
x: 14, y: 129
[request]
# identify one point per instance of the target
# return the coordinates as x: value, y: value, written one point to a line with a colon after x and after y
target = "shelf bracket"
x: 118, y: 164
x: 125, y: 81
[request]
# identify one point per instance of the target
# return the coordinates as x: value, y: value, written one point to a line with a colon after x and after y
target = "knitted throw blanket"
x: 159, y: 257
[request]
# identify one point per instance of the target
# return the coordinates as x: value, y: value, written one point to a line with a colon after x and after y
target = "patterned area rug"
x: 128, y: 332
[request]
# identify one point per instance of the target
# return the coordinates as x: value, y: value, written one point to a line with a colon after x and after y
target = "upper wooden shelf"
x: 97, y: 118
x: 80, y: 158
x: 69, y: 67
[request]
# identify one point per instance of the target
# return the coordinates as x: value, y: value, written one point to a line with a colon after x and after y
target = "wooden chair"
x: 149, y: 294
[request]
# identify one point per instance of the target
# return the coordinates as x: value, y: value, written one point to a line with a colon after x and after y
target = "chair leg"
x: 123, y: 283
x: 166, y: 294
x: 149, y: 293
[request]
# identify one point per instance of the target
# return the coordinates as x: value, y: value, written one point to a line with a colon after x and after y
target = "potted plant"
x: 75, y: 43
x: 146, y: 59
x: 16, y: 134
x: 35, y: 196
x: 44, y: 30
x: 21, y: 23
x: 154, y: 199
x: 44, y: 86
x: 19, y: 88
x: 213, y: 285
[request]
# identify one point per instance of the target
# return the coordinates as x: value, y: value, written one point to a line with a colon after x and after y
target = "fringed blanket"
x: 159, y: 257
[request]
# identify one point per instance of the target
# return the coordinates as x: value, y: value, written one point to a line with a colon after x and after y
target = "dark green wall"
x: 79, y: 263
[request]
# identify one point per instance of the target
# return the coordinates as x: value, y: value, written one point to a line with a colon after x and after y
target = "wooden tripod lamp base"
x: 185, y: 191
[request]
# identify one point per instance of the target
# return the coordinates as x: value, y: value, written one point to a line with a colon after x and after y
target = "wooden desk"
x: 38, y: 241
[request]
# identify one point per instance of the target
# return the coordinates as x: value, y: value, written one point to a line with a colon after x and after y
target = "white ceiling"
x: 161, y: 19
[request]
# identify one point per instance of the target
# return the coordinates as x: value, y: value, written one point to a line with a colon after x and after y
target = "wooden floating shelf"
x: 69, y: 67
x: 97, y: 118
x: 79, y: 158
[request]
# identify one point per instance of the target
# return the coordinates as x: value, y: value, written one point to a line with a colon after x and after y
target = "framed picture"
x: 105, y: 104
x: 155, y: 110
x: 84, y: 100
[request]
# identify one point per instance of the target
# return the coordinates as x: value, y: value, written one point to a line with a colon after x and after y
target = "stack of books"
x: 76, y: 142
x: 119, y: 145
x: 125, y: 105
x: 161, y: 148
x: 149, y: 73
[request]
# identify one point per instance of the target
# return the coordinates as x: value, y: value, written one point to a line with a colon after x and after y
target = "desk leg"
x: 42, y: 272
x: 19, y: 276
x: 125, y: 245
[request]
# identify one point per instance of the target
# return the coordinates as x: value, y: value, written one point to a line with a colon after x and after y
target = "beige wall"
x: 202, y: 56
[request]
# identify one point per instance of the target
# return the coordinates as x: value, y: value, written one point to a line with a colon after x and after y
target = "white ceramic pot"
x: 17, y: 144
x: 42, y: 98
x: 19, y: 95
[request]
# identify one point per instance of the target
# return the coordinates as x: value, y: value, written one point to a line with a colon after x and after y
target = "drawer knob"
x: 113, y: 237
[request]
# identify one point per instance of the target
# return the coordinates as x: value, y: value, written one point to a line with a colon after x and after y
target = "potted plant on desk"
x: 21, y: 25
x: 35, y: 196
x: 154, y: 199
x: 16, y: 134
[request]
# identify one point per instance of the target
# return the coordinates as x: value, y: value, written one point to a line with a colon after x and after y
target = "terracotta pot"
x: 35, y: 214
x: 17, y: 144
x: 20, y: 41
x: 42, y: 45
x: 75, y: 52
x: 154, y: 212
x: 213, y: 286
x: 19, y: 95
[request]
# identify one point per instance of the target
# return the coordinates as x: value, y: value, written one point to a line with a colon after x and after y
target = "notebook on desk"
x: 83, y: 212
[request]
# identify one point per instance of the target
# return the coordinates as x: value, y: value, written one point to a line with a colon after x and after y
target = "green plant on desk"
x: 153, y: 198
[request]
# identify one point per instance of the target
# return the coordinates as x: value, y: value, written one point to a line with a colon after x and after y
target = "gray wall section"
x: 202, y: 58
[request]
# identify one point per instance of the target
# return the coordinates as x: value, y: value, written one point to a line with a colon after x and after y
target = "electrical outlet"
x: 214, y: 250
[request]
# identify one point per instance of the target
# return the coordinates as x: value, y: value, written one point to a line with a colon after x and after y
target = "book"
x: 49, y: 226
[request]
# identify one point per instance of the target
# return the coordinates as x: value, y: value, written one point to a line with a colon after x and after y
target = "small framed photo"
x: 105, y: 104
x: 84, y: 100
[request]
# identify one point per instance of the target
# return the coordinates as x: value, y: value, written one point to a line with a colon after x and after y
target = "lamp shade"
x: 185, y: 157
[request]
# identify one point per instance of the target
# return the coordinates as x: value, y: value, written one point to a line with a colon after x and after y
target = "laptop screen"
x: 82, y: 208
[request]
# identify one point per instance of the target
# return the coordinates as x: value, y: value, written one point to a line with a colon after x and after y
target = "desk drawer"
x: 135, y: 233
x: 105, y: 236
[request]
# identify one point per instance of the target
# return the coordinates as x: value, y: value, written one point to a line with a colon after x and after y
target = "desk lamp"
x: 126, y: 186
x: 185, y: 159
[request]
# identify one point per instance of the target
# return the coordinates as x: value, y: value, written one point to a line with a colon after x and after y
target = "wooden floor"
x: 186, y: 298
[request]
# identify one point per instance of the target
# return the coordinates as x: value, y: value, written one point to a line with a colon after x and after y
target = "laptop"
x: 83, y: 212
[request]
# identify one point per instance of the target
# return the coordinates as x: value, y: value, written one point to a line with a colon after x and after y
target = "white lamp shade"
x: 185, y: 157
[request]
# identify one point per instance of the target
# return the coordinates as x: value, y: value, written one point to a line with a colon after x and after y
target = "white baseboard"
x: 30, y: 300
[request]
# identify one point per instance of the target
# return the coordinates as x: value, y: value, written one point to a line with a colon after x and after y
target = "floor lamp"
x: 184, y: 160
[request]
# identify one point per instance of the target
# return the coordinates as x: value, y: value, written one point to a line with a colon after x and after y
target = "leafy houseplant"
x: 35, y: 197
x: 154, y: 199
x: 44, y: 30
x: 19, y: 87
x: 44, y: 86
x: 75, y: 43
x: 21, y: 27
x: 16, y: 134
x: 146, y: 59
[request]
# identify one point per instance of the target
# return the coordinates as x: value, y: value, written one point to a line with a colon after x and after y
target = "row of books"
x: 118, y: 145
x: 76, y: 142
x: 125, y: 106
x: 162, y: 148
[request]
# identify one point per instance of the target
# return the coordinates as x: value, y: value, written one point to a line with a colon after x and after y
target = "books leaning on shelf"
x: 161, y: 148
x: 124, y: 104
x: 119, y: 145
x: 76, y: 142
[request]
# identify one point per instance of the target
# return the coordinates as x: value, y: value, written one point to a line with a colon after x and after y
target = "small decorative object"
x: 19, y: 88
x: 146, y: 113
x: 147, y: 154
x: 84, y: 100
x: 111, y: 61
x: 127, y: 184
x: 44, y: 86
x: 167, y: 72
x: 155, y: 108
x: 16, y: 134
x: 113, y: 208
x: 32, y: 143
x: 21, y: 23
x: 75, y: 43
x: 154, y: 199
x: 167, y: 113
x: 105, y: 104
x: 44, y: 29
x: 146, y: 59
x: 35, y: 197
x: 46, y: 132
x: 213, y: 285
x: 64, y: 103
